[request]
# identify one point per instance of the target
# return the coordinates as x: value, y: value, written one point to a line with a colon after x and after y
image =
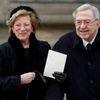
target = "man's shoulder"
x: 67, y: 37
x: 68, y: 34
x: 65, y: 43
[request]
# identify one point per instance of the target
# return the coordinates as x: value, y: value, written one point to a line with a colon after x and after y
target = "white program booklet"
x: 55, y: 63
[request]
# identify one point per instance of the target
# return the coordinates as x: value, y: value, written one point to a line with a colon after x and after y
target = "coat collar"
x: 16, y: 44
x: 78, y: 41
x: 20, y: 51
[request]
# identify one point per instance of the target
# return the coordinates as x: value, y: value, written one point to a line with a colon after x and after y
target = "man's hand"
x: 60, y: 76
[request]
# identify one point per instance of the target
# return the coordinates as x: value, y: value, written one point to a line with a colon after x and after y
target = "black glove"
x: 40, y: 76
x: 60, y: 76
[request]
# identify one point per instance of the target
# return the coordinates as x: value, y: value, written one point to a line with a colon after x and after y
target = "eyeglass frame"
x: 86, y: 22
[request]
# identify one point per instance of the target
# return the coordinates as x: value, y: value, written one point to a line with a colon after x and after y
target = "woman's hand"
x: 27, y: 78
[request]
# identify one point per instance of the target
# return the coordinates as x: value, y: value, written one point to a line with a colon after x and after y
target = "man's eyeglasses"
x: 86, y: 22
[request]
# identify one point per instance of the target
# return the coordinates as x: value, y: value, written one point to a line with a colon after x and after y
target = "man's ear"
x: 98, y: 23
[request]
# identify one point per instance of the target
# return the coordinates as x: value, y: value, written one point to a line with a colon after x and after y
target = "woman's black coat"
x: 14, y: 61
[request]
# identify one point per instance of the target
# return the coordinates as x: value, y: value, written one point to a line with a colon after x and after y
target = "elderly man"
x: 83, y: 62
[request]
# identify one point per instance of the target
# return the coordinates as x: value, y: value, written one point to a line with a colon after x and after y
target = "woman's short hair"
x: 24, y: 10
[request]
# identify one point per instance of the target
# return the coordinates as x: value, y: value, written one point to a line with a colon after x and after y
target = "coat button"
x: 89, y: 63
x: 91, y: 81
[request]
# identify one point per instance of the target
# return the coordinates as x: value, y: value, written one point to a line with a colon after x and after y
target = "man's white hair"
x: 87, y: 6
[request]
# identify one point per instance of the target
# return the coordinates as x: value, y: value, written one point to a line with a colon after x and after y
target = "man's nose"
x: 83, y: 25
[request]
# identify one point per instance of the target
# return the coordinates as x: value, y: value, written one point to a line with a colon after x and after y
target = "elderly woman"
x: 22, y: 58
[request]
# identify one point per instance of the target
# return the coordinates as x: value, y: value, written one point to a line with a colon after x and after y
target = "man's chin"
x: 85, y: 37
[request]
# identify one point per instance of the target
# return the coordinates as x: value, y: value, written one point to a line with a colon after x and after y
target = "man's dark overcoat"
x: 83, y: 70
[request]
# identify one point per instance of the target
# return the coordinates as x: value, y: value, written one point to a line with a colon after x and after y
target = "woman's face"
x: 22, y: 27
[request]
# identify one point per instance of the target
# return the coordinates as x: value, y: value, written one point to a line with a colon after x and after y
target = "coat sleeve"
x: 8, y: 81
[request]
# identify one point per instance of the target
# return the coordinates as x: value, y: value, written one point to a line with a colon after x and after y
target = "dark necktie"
x: 89, y: 47
x: 89, y: 51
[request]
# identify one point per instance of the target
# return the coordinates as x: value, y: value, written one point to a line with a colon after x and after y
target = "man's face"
x: 86, y: 25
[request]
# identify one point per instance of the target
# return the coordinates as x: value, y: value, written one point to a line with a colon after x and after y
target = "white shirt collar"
x: 86, y: 42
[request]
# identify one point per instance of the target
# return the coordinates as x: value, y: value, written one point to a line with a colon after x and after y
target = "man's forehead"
x: 83, y: 15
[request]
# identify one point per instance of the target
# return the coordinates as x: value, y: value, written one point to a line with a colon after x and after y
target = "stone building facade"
x: 56, y: 15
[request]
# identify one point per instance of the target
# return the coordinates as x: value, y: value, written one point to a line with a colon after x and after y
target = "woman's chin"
x: 22, y: 39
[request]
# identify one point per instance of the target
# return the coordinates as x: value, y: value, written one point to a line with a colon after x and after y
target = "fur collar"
x: 34, y: 53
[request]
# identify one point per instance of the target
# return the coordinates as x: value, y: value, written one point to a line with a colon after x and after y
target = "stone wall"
x: 50, y: 11
x: 56, y: 16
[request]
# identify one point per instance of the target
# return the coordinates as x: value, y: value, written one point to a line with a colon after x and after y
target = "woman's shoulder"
x: 44, y: 44
x: 5, y: 46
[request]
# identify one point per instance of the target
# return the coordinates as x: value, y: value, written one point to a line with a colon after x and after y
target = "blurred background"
x: 56, y: 16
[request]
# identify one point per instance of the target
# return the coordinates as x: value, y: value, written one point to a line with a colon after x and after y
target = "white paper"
x: 55, y: 63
